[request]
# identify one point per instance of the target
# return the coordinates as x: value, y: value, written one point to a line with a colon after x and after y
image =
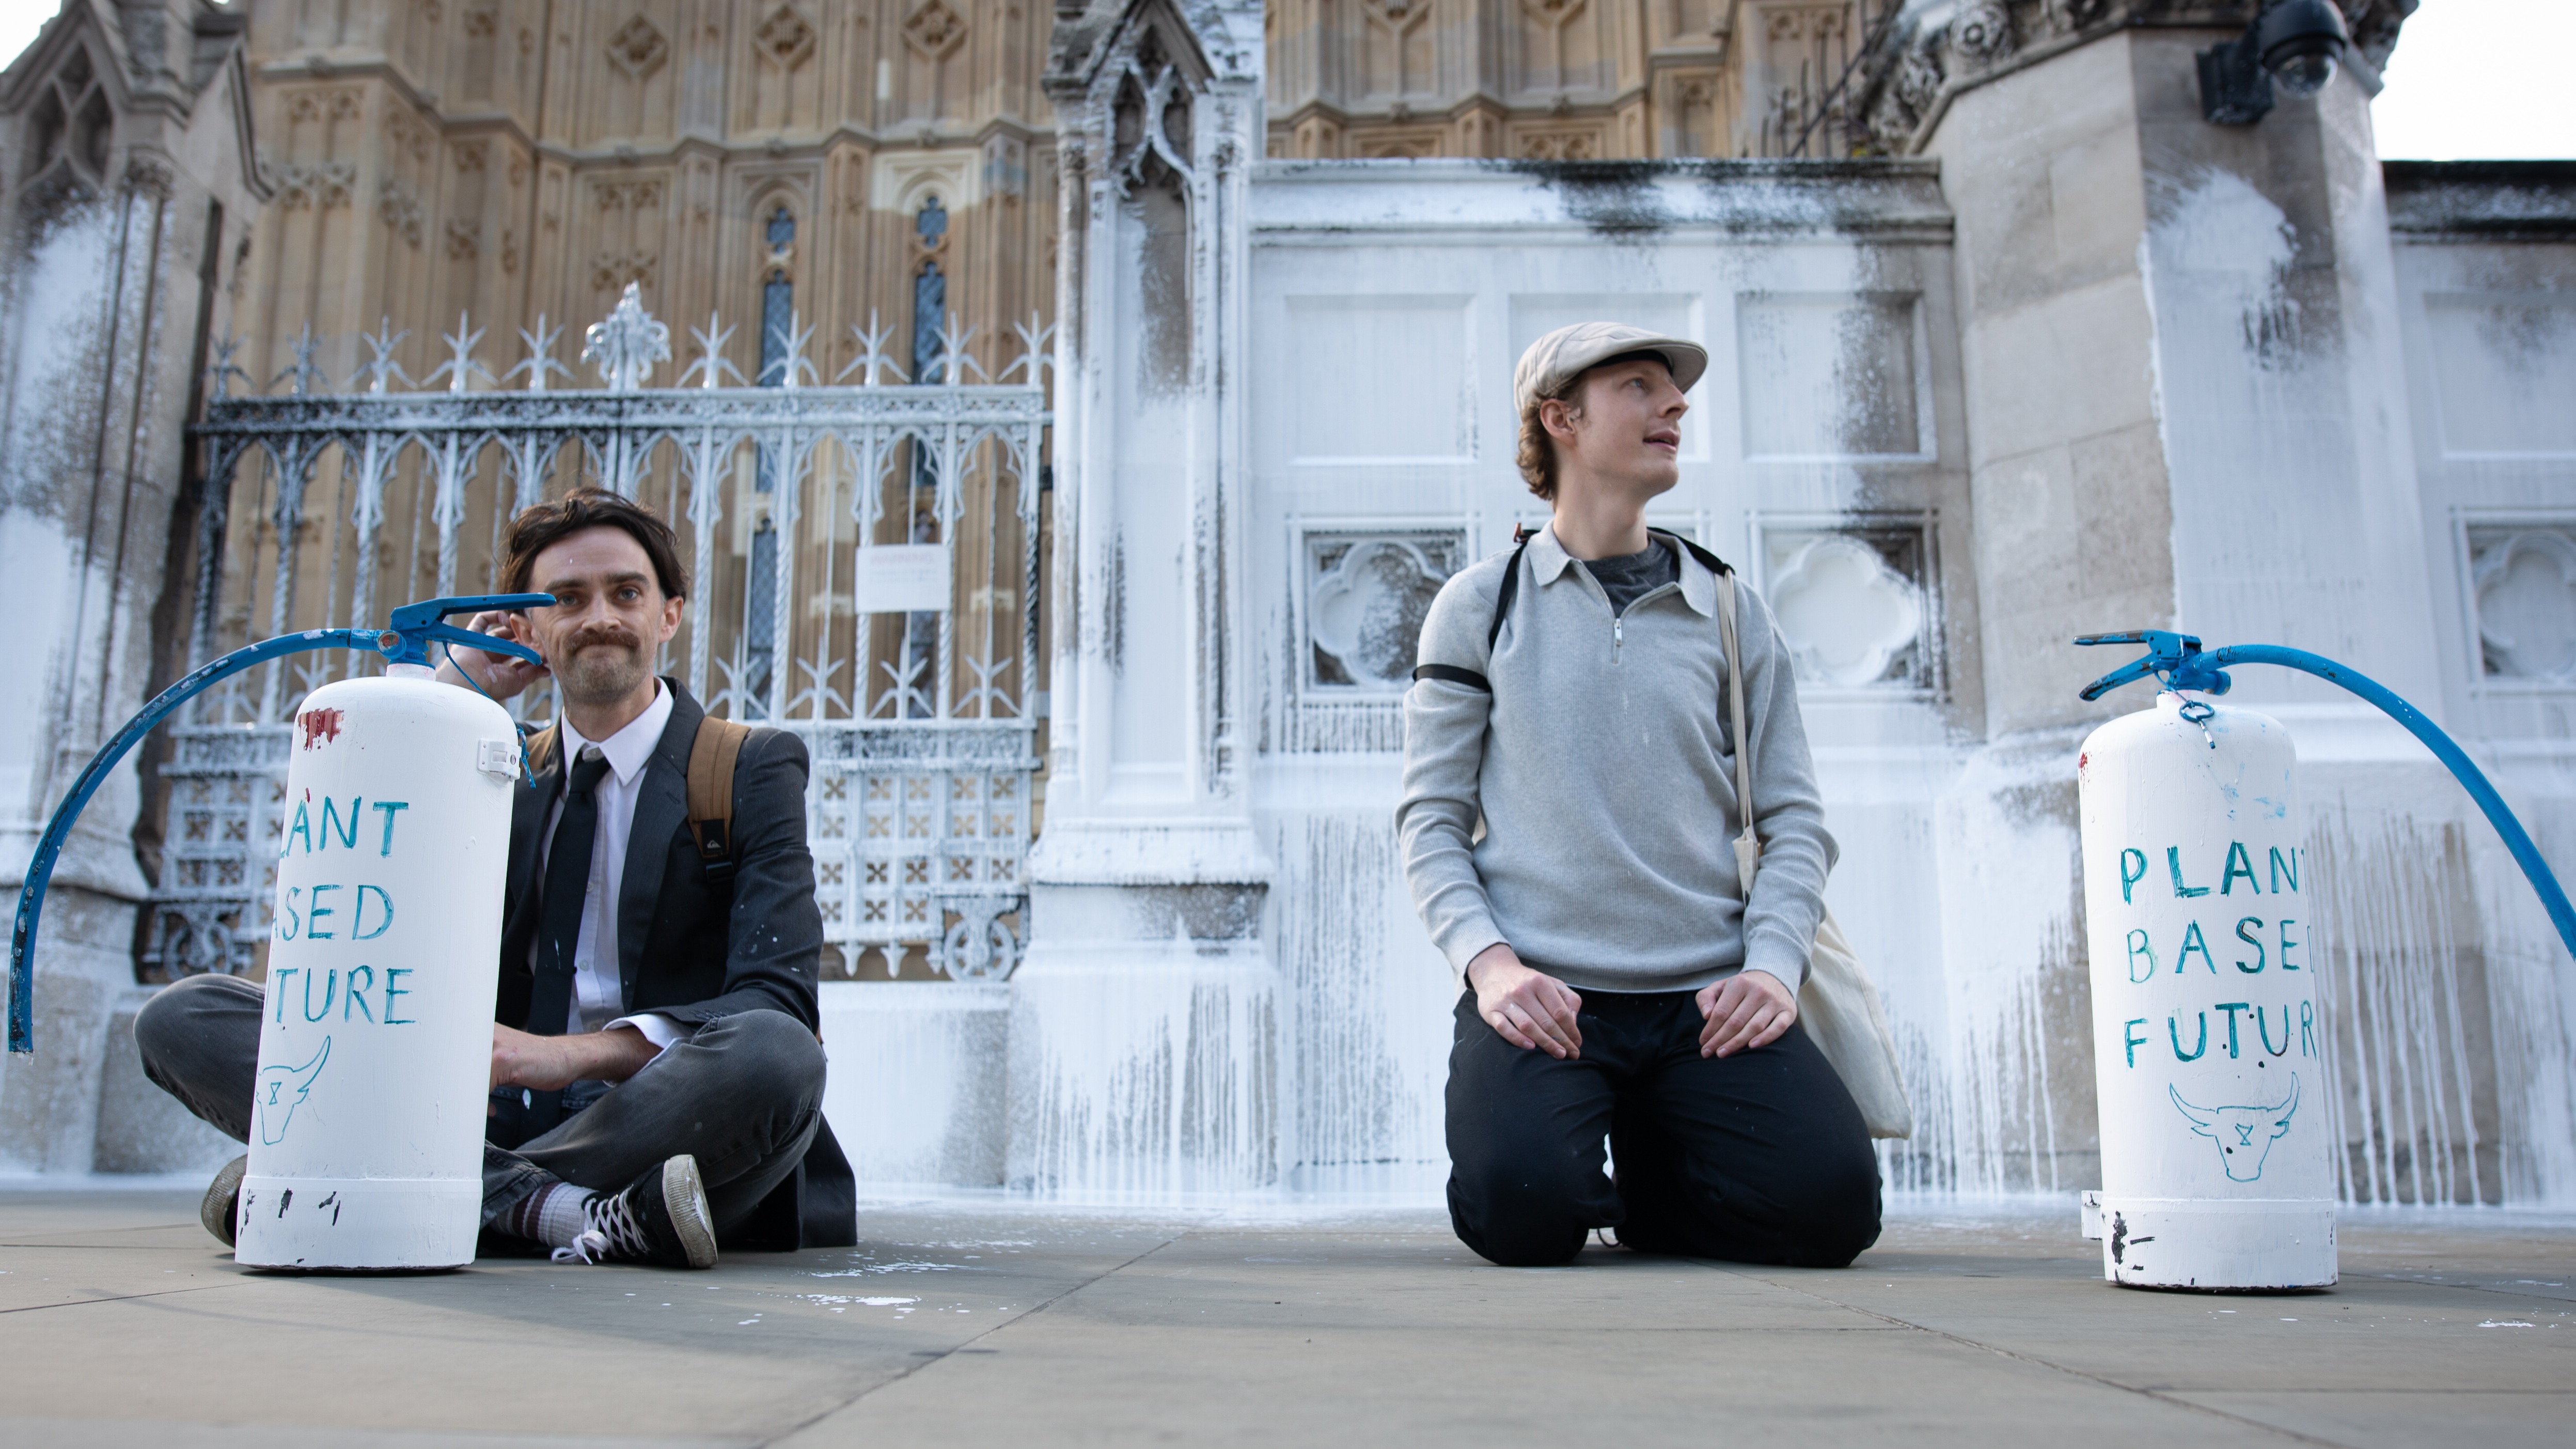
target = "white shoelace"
x: 586, y: 1247
x: 612, y: 1231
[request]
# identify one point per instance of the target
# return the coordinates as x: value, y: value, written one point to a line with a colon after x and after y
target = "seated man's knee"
x: 774, y: 1057
x: 172, y: 1021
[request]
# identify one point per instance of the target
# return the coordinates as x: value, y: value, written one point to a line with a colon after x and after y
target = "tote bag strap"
x: 1748, y: 845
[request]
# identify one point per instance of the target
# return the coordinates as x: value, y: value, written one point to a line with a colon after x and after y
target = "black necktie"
x: 559, y: 920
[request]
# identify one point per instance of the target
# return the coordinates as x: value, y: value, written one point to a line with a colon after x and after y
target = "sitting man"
x: 657, y: 1085
x: 1617, y: 983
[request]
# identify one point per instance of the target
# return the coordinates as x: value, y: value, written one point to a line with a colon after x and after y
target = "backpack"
x: 711, y: 760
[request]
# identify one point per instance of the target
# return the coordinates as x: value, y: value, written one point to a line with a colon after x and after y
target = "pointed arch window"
x: 777, y: 298
x: 930, y: 295
x: 760, y: 601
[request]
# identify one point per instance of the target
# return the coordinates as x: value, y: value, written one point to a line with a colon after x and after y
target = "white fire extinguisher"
x: 366, y: 1140
x: 2209, y: 1054
x: 376, y: 1030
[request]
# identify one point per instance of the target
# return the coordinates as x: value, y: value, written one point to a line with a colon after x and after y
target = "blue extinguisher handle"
x: 414, y: 625
x: 2181, y: 663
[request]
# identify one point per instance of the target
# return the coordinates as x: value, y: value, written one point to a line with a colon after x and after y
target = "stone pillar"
x: 126, y: 136
x: 2181, y: 354
x: 1144, y: 1038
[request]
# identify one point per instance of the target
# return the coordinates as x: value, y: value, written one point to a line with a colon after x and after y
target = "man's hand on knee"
x: 552, y: 1063
x: 1524, y: 1007
x: 1748, y: 1009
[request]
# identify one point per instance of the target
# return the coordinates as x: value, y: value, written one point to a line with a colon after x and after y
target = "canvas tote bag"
x: 1838, y: 1005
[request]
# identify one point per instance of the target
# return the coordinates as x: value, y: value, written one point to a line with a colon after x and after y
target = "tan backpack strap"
x: 711, y: 760
x: 1748, y: 845
x: 541, y: 748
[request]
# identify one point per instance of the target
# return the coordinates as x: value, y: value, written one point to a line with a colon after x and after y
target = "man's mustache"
x: 601, y: 634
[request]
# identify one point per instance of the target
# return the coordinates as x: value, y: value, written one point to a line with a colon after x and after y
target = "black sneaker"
x: 661, y: 1218
x: 222, y: 1207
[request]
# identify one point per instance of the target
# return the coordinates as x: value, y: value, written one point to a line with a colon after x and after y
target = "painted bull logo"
x: 281, y: 1089
x: 2244, y: 1134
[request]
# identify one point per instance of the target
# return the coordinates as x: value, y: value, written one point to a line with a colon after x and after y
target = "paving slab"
x: 991, y: 1320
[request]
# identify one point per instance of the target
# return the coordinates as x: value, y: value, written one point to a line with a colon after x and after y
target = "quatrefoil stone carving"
x: 784, y: 37
x: 637, y: 47
x: 935, y: 29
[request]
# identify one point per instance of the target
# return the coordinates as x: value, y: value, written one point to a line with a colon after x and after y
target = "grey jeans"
x: 743, y: 1095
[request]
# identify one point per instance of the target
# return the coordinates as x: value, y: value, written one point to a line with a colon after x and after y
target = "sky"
x: 2471, y: 80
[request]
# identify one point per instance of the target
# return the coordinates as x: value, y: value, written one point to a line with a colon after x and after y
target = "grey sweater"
x: 1602, y: 769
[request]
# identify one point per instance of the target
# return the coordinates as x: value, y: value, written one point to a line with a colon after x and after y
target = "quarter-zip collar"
x: 1548, y: 560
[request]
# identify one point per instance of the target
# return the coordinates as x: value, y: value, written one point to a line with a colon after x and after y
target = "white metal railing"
x: 864, y: 565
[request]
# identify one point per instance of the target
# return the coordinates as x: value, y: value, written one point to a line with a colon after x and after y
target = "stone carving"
x: 611, y: 270
x: 784, y: 38
x: 396, y: 207
x: 1930, y: 46
x: 638, y: 48
x: 1982, y: 32
x: 1399, y: 16
x: 321, y: 186
x: 482, y: 20
x: 1553, y: 12
x: 149, y: 174
x: 1365, y: 603
x: 2525, y: 582
x: 630, y: 196
x: 1846, y: 615
x: 1560, y: 146
x: 470, y: 156
x: 464, y: 240
x: 935, y: 29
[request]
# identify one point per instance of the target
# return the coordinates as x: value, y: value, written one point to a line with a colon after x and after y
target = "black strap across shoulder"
x: 1452, y: 674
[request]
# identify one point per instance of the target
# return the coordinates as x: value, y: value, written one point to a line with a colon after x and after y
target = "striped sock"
x: 551, y: 1215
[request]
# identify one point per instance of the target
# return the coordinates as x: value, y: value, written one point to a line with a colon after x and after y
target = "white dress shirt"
x: 598, y: 993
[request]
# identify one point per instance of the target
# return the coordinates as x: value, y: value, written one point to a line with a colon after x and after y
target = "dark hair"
x: 1537, y: 453
x: 543, y: 525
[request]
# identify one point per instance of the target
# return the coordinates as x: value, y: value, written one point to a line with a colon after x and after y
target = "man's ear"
x: 1558, y: 419
x: 670, y: 617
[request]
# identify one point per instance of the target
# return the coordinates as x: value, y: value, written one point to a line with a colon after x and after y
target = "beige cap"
x: 1562, y: 355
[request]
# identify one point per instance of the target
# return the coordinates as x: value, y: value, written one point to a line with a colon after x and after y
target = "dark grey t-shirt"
x: 1630, y: 578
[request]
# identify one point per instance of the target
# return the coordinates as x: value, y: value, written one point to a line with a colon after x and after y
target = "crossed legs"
x: 743, y: 1095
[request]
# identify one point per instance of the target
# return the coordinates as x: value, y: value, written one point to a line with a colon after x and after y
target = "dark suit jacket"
x: 695, y: 950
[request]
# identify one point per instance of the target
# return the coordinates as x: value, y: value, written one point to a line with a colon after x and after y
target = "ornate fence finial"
x: 540, y: 359
x: 381, y: 368
x: 626, y: 346
x: 302, y: 369
x: 793, y: 368
x: 223, y: 370
x: 711, y: 365
x: 955, y: 359
x: 1034, y: 355
x: 872, y: 354
x: 460, y: 364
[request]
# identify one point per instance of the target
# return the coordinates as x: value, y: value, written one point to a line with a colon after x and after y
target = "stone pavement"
x: 991, y: 1321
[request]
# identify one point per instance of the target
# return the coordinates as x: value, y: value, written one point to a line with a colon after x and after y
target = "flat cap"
x: 1558, y: 358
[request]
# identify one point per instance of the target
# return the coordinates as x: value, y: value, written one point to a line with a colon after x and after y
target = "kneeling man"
x: 657, y: 1085
x: 1568, y: 812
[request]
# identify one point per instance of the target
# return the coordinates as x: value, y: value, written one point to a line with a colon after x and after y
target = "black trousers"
x: 743, y: 1094
x: 1758, y: 1157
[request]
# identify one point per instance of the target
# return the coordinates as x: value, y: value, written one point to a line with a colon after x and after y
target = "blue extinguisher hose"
x: 407, y: 642
x: 2179, y: 661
